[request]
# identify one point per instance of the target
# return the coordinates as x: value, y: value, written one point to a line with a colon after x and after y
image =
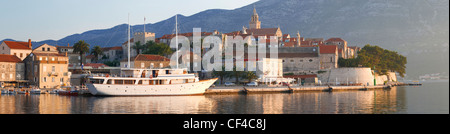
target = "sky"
x: 55, y: 19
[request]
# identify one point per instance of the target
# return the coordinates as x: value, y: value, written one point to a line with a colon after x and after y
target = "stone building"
x: 300, y: 60
x: 12, y: 71
x: 46, y: 68
x: 328, y: 56
x: 138, y: 37
x: 342, y: 46
x: 146, y: 61
x: 19, y: 49
x: 74, y: 58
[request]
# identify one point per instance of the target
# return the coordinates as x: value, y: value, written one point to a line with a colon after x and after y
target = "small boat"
x: 22, y: 92
x: 11, y: 92
x: 35, y: 91
x: 5, y: 92
x: 69, y: 93
x: 55, y: 91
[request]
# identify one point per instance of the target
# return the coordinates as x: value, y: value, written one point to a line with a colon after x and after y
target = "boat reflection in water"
x: 151, y: 105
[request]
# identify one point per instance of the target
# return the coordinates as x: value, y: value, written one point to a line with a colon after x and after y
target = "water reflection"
x: 348, y: 102
x: 151, y: 105
x: 396, y: 100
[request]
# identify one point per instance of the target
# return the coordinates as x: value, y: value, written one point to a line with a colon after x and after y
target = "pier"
x: 287, y: 89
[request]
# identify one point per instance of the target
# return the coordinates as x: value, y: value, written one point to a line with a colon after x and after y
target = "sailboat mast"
x: 128, y: 65
x: 176, y: 36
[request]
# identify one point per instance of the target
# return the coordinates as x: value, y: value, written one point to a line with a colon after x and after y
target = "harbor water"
x: 430, y: 98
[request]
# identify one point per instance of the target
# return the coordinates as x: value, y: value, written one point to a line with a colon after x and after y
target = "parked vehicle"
x: 229, y: 84
x: 252, y: 84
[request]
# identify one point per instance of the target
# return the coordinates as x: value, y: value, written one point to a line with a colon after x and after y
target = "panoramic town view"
x: 225, y: 57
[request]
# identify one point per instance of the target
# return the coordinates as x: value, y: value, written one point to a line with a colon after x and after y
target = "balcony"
x: 52, y: 74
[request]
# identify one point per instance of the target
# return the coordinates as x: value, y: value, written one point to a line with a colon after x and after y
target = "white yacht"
x: 134, y: 82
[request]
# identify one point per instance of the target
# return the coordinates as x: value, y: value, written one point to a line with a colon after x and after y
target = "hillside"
x: 418, y: 29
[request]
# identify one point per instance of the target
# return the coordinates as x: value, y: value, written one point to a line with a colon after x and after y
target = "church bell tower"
x: 254, y: 22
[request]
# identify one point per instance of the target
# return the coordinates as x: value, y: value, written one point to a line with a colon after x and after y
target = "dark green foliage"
x: 379, y: 59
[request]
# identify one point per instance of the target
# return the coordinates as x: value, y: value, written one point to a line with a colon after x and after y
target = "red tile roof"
x: 112, y: 48
x: 126, y: 42
x: 9, y: 58
x: 149, y: 57
x: 262, y: 31
x: 17, y: 45
x: 328, y: 49
x: 335, y: 40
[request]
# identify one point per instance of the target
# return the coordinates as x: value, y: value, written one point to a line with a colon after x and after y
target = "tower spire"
x: 254, y: 22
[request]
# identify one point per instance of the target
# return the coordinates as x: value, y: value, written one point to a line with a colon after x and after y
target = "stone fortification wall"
x: 356, y: 75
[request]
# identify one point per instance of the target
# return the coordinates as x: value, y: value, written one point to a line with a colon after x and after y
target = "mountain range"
x: 417, y: 29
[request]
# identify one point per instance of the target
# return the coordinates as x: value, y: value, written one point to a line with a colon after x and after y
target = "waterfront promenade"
x: 268, y: 89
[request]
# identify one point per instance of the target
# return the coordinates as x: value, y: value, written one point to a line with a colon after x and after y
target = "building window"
x: 10, y: 76
x: 161, y: 65
x: 44, y: 68
x: 53, y: 58
x: 44, y: 79
x: 61, y: 80
x: 62, y: 69
x: 53, y: 79
x: 15, y: 54
x: 48, y: 49
x: 40, y: 58
x: 292, y: 60
x: 3, y: 75
x: 301, y: 60
x: 53, y: 69
x: 310, y: 60
x: 21, y: 55
x: 43, y: 49
x: 142, y: 64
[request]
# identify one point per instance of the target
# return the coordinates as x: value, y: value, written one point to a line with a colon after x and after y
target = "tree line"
x: 378, y: 59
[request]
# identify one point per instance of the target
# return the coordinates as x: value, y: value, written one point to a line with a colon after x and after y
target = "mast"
x: 176, y: 36
x: 144, y: 32
x: 128, y: 65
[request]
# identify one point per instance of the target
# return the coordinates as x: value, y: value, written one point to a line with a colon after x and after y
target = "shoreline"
x: 283, y: 89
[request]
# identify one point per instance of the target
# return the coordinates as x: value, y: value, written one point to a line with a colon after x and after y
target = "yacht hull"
x: 196, y: 88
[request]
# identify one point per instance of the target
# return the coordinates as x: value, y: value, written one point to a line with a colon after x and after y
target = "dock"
x: 287, y: 89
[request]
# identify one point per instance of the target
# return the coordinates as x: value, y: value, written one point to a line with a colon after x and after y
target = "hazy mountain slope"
x: 418, y: 29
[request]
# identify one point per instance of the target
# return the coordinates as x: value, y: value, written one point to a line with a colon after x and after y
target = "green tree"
x: 249, y: 75
x: 235, y: 74
x: 96, y: 51
x: 138, y: 47
x: 221, y: 74
x: 378, y: 59
x: 157, y: 48
x: 81, y: 47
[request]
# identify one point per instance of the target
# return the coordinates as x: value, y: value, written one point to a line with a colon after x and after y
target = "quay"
x: 281, y: 89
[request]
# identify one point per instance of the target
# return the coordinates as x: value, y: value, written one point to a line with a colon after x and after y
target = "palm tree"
x: 236, y: 75
x: 221, y: 74
x: 249, y: 75
x: 81, y: 47
x: 96, y: 51
x: 138, y: 47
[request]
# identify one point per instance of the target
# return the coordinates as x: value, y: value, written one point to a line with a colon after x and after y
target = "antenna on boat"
x: 176, y: 36
x: 128, y: 65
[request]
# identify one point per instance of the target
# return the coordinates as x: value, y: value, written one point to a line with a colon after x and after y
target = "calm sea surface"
x: 430, y: 98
